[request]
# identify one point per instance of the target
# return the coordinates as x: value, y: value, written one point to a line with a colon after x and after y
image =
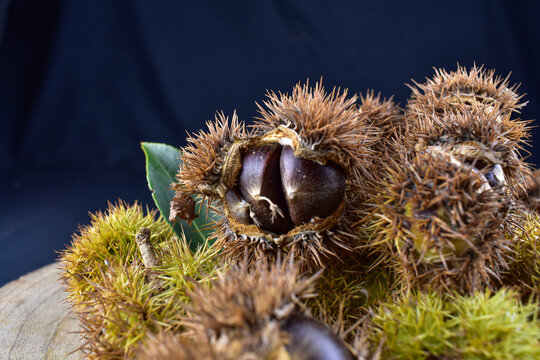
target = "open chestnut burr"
x: 294, y: 183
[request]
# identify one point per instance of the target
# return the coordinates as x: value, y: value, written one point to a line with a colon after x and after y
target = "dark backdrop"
x: 83, y: 82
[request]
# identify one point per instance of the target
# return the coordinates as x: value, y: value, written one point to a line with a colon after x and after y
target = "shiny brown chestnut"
x: 280, y: 191
x: 311, y: 189
x: 260, y: 185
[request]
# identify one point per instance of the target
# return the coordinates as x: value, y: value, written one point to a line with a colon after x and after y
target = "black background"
x: 83, y: 82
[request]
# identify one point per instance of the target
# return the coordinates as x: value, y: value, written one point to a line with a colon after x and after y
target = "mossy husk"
x: 345, y: 296
x: 121, y: 302
x: 451, y: 326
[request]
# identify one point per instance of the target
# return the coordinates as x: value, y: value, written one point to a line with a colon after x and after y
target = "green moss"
x: 412, y: 328
x: 495, y: 327
x: 481, y: 326
x: 119, y: 300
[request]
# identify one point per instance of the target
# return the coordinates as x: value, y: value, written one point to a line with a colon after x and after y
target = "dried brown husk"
x: 170, y: 346
x: 204, y: 156
x: 386, y: 118
x: 440, y: 225
x: 322, y: 126
x: 472, y: 113
x: 449, y: 91
x: 478, y: 136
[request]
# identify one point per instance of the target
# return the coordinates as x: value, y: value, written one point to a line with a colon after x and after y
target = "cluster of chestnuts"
x: 432, y: 194
x: 345, y: 227
x: 305, y: 176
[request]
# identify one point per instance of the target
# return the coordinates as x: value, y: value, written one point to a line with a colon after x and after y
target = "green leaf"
x: 162, y: 164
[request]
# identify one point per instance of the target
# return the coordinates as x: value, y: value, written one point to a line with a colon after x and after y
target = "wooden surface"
x: 35, y: 322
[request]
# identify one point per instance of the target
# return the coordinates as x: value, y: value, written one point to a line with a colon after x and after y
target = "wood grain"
x: 35, y: 321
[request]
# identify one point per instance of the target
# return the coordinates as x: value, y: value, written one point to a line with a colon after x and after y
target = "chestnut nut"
x: 278, y: 191
x: 311, y: 340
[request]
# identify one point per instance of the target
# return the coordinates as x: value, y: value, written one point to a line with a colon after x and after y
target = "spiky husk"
x: 239, y: 316
x: 312, y: 250
x: 470, y: 113
x: 438, y: 223
x: 168, y: 346
x: 524, y: 271
x: 246, y: 297
x: 451, y: 326
x: 204, y: 154
x: 385, y: 117
x: 119, y: 301
x: 326, y: 126
x: 450, y: 91
x: 476, y: 135
x: 109, y: 239
x: 494, y: 132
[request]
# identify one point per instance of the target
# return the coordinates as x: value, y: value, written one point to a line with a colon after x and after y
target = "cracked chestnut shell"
x: 278, y: 191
